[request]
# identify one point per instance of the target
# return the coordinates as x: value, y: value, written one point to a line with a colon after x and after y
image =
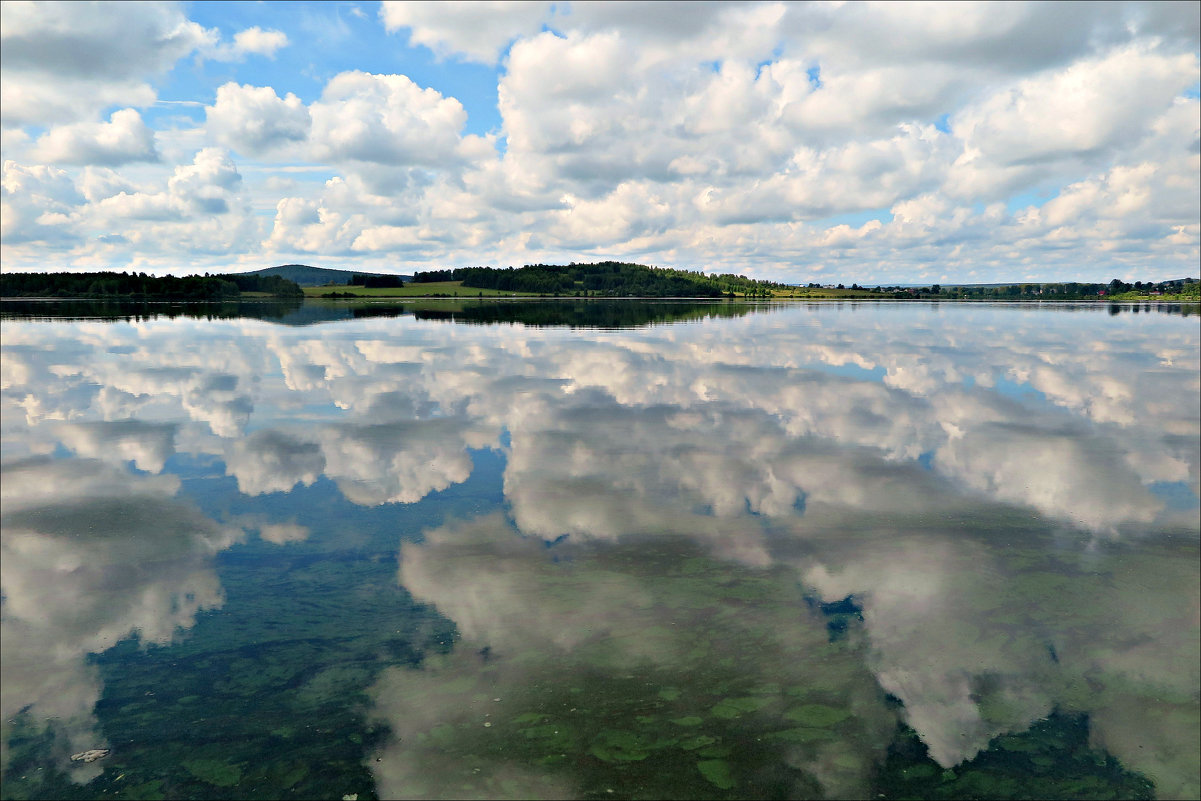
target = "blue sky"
x: 324, y: 40
x: 877, y: 143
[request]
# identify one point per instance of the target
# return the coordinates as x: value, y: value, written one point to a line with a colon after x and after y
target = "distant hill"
x: 305, y: 275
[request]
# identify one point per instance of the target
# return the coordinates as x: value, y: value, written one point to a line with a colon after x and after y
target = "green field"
x: 433, y: 289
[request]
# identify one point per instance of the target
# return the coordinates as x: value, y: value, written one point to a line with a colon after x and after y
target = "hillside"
x: 305, y: 275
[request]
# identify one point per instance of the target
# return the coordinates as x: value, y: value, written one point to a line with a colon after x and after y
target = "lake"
x: 601, y: 550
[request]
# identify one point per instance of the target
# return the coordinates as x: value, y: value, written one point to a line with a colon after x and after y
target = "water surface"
x: 602, y: 550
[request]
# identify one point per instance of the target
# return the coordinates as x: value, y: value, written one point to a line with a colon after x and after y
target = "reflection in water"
x: 646, y: 655
x: 141, y: 310
x: 583, y: 314
x: 92, y: 555
x: 537, y: 313
x: 744, y: 555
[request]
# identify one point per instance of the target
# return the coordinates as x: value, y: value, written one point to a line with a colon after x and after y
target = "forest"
x: 140, y: 286
x: 1071, y: 290
x: 603, y: 279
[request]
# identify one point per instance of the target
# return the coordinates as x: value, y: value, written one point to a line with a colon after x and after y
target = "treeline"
x: 140, y: 286
x: 376, y: 281
x: 604, y: 279
x: 1071, y: 290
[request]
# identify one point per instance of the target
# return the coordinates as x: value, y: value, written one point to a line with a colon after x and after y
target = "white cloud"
x: 198, y: 191
x: 123, y: 139
x: 67, y: 61
x: 476, y: 30
x: 36, y: 204
x: 252, y: 41
x: 261, y: 42
x: 385, y: 119
x: 1081, y: 112
x: 98, y: 183
x: 204, y: 186
x: 253, y: 120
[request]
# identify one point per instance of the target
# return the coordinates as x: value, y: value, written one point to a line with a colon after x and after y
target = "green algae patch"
x: 620, y: 746
x: 817, y: 715
x: 716, y: 772
x: 288, y: 774
x: 1016, y: 743
x: 699, y: 741
x: 730, y: 708
x: 801, y: 735
x: 214, y: 771
x: 690, y: 720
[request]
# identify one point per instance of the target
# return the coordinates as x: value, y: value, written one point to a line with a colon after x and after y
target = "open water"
x: 600, y: 550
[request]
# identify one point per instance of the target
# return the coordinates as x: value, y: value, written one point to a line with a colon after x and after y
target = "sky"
x: 798, y: 142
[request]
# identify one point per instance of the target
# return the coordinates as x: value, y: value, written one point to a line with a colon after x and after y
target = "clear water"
x: 627, y: 550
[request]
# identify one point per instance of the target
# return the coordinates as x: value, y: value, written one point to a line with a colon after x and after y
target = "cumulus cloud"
x: 36, y: 204
x: 385, y: 119
x: 123, y: 139
x: 253, y: 120
x: 1080, y: 112
x: 203, y: 188
x: 476, y: 31
x: 64, y: 62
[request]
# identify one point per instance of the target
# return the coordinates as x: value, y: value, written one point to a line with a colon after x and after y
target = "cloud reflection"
x: 92, y: 555
x: 983, y: 481
x: 547, y: 630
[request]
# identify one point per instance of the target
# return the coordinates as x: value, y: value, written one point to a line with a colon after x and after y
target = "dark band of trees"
x: 604, y: 279
x: 376, y: 281
x: 1070, y: 290
x: 140, y: 286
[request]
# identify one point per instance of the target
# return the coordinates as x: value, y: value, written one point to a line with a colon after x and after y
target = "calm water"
x: 601, y: 551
